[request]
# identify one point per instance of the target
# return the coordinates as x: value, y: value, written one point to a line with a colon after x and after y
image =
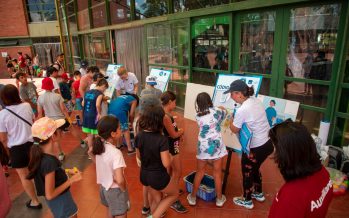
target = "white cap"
x: 151, y: 80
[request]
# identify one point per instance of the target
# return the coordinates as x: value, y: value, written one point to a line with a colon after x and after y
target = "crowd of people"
x: 31, y: 128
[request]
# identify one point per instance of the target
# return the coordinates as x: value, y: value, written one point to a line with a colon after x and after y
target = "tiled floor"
x: 86, y: 195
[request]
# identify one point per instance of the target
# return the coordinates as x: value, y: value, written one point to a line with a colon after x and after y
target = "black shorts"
x: 19, y: 155
x: 158, y: 180
x: 65, y: 125
x: 173, y: 147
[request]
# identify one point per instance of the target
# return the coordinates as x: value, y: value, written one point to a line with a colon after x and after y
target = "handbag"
x: 24, y: 120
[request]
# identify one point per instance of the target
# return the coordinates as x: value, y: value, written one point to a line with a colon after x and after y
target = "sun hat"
x: 44, y: 127
x: 151, y: 80
x: 47, y: 84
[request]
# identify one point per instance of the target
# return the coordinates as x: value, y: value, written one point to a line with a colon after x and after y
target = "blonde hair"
x: 122, y: 71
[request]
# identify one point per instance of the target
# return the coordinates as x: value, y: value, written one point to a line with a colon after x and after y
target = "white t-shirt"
x: 127, y: 85
x: 106, y: 163
x: 253, y: 114
x: 83, y: 71
x: 18, y: 132
x: 55, y: 84
x: 93, y: 86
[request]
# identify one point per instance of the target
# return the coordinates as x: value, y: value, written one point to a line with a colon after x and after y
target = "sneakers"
x: 178, y: 207
x: 191, y: 200
x: 61, y: 156
x: 145, y: 210
x: 220, y: 202
x: 240, y: 201
x: 258, y: 196
x: 82, y: 144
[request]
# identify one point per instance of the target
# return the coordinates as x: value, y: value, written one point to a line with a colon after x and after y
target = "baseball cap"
x: 44, y: 127
x: 99, y: 76
x: 47, y: 84
x: 151, y: 80
x: 237, y: 86
x: 65, y: 76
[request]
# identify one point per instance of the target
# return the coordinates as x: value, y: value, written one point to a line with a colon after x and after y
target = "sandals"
x: 36, y: 207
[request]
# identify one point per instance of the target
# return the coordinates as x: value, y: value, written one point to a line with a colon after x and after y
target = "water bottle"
x: 77, y: 117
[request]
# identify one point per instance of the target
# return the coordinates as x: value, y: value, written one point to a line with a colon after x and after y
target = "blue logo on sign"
x: 250, y: 82
x: 161, y: 73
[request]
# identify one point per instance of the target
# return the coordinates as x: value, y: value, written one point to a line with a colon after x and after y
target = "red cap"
x: 65, y: 76
x: 47, y: 84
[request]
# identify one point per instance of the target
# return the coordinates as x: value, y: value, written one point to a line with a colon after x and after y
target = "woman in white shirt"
x: 252, y: 114
x: 15, y: 133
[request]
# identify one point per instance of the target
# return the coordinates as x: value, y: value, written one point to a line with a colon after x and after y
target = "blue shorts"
x: 78, y: 104
x: 63, y: 205
x: 123, y: 119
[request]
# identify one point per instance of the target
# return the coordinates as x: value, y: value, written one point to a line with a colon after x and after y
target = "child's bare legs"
x: 200, y: 172
x: 172, y: 195
x: 58, y: 142
x: 28, y: 185
x: 176, y: 168
x: 90, y: 143
x: 217, y: 175
x: 145, y: 196
x: 155, y: 198
x: 128, y: 139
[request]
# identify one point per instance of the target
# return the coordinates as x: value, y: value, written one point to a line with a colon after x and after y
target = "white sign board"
x: 4, y: 54
x: 112, y: 73
x: 190, y: 96
x: 223, y: 84
x: 162, y: 78
x: 278, y: 109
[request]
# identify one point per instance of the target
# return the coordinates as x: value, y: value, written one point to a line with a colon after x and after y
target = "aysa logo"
x: 223, y: 87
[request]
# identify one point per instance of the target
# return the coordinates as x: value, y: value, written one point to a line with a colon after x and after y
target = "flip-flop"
x: 36, y: 207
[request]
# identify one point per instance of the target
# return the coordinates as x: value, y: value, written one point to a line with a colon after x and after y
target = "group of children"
x: 157, y: 142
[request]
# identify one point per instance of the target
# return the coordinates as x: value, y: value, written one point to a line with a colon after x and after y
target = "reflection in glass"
x: 341, y: 133
x: 204, y: 78
x: 99, y: 15
x: 343, y: 101
x: 75, y: 46
x: 66, y: 46
x: 295, y: 91
x: 99, y: 46
x: 150, y: 8
x: 179, y: 90
x: 83, y: 20
x: 119, y: 11
x: 257, y: 41
x: 211, y: 42
x: 73, y: 28
x: 346, y: 73
x: 312, y: 40
x: 86, y: 44
x: 310, y: 119
x: 185, y: 5
x: 168, y: 43
x: 82, y: 4
x: 69, y: 7
x: 265, y: 87
x: 102, y: 65
x: 39, y: 11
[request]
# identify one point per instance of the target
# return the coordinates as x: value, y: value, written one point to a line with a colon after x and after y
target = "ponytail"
x: 248, y: 92
x: 98, y: 146
x: 36, y: 154
x: 105, y: 127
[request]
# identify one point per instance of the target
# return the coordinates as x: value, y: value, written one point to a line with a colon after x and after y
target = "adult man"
x: 86, y: 81
x: 127, y: 82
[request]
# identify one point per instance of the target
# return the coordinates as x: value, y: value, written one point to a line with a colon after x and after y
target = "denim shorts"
x: 78, y: 104
x: 63, y: 205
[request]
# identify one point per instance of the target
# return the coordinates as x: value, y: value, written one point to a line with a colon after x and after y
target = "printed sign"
x: 223, y: 84
x: 4, y: 54
x: 162, y: 78
x: 112, y: 73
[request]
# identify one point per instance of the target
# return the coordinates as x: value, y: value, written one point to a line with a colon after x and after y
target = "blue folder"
x: 245, y: 136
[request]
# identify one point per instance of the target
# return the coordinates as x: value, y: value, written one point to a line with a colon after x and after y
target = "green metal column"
x: 236, y: 40
x: 190, y: 49
x: 133, y: 10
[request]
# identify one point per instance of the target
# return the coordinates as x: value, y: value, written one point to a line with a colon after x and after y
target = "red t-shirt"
x: 305, y: 197
x: 76, y: 85
x: 22, y: 60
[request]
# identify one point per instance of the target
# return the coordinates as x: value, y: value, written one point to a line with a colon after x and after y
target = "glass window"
x: 257, y: 42
x: 119, y: 11
x: 73, y: 28
x: 305, y: 93
x: 179, y: 90
x: 77, y: 62
x: 168, y: 43
x: 83, y: 20
x: 70, y: 8
x: 204, y: 78
x: 343, y: 101
x: 346, y: 73
x: 310, y: 119
x: 341, y: 133
x: 211, y: 42
x: 66, y: 46
x: 75, y: 46
x: 149, y: 8
x: 102, y: 65
x: 312, y: 40
x: 86, y: 44
x: 180, y: 75
x: 99, y: 15
x: 265, y: 87
x: 82, y: 4
x: 99, y: 45
x: 41, y: 11
x: 185, y: 5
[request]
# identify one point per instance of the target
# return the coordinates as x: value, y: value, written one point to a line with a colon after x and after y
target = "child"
x: 52, y: 72
x: 53, y: 105
x: 77, y: 98
x: 27, y: 91
x: 124, y: 108
x: 50, y: 179
x: 173, y: 134
x: 150, y: 87
x: 152, y: 150
x: 210, y: 145
x: 96, y: 77
x: 66, y: 94
x: 92, y: 111
x: 110, y: 165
